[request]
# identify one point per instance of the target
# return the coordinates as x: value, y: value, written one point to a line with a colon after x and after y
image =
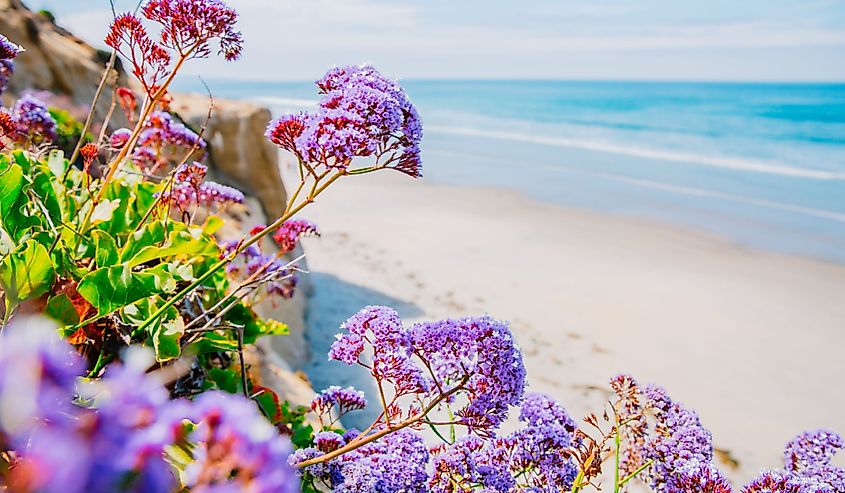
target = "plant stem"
x: 228, y: 258
x: 634, y: 474
x: 90, y: 117
x: 375, y: 436
x: 618, y: 443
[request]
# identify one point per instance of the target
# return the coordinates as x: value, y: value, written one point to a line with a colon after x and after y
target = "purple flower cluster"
x: 482, y: 352
x: 190, y: 189
x: 237, y: 449
x: 277, y: 275
x: 361, y: 114
x: 339, y: 399
x: 394, y: 464
x: 121, y: 442
x: 8, y: 51
x: 472, y: 357
x: 678, y: 440
x: 535, y: 458
x: 34, y: 123
x: 189, y: 25
x: 162, y: 139
x: 808, y: 468
x: 289, y: 233
x: 696, y: 477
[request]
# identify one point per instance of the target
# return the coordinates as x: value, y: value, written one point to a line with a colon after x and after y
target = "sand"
x: 752, y: 340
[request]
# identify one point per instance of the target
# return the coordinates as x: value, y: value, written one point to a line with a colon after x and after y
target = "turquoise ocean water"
x: 761, y: 164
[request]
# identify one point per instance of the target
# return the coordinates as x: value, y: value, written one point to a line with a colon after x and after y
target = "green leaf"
x: 273, y: 327
x: 57, y: 163
x: 149, y: 235
x: 112, y: 288
x: 13, y: 200
x: 60, y: 308
x: 44, y: 186
x: 166, y: 339
x: 11, y: 184
x: 27, y: 272
x: 106, y: 252
x: 104, y: 210
x: 178, y: 243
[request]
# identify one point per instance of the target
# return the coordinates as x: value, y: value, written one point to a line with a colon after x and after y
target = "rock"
x: 239, y: 150
x: 55, y: 60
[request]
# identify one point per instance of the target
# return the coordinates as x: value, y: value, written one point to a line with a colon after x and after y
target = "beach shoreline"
x: 746, y: 337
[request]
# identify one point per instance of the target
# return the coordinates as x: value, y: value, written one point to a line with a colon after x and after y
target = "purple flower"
x: 8, y: 50
x: 119, y: 138
x: 211, y: 193
x: 812, y: 449
x: 192, y: 24
x: 534, y: 458
x: 343, y: 399
x: 161, y: 130
x: 382, y: 328
x: 289, y: 232
x: 481, y: 352
x: 236, y: 448
x: 37, y: 376
x: 361, y: 114
x: 679, y: 437
x: 394, y: 464
x: 7, y: 68
x: 808, y: 468
x: 695, y: 477
x: 34, y: 122
x: 328, y: 441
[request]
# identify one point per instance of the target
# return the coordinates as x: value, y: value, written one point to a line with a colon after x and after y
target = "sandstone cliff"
x: 57, y: 61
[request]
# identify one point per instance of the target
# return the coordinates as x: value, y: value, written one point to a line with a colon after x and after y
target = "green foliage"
x: 68, y: 128
x: 26, y: 273
x: 121, y: 269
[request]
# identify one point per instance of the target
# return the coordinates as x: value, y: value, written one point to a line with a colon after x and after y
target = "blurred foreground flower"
x: 124, y: 436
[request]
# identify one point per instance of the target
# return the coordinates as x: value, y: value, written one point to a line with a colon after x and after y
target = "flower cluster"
x: 535, y: 458
x: 361, y: 114
x: 150, y: 61
x: 33, y: 121
x: 121, y: 441
x: 338, y: 399
x: 397, y: 463
x: 807, y: 466
x: 475, y: 358
x: 8, y: 51
x: 186, y: 28
x: 189, y: 25
x: 288, y: 234
x: 277, y: 276
x: 163, y: 140
x: 237, y: 449
x: 190, y: 190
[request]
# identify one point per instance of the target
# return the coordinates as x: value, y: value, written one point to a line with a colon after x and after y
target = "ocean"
x: 761, y: 164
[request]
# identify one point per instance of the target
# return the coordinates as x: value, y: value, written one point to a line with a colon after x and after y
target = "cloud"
x: 294, y: 39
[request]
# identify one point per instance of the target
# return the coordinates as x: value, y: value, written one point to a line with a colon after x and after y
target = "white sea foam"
x: 738, y: 164
x: 699, y: 192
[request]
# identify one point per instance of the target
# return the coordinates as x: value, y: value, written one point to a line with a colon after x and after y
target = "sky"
x: 724, y: 40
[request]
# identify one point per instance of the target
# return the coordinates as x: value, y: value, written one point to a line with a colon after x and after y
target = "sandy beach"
x: 752, y: 340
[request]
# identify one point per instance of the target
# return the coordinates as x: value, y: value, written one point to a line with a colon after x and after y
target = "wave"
x: 699, y: 192
x: 662, y: 155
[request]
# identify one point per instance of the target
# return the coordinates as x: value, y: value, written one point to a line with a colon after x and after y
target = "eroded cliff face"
x: 54, y: 60
x: 57, y: 61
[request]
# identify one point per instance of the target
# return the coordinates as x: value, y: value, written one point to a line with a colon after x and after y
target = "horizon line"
x: 553, y: 79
